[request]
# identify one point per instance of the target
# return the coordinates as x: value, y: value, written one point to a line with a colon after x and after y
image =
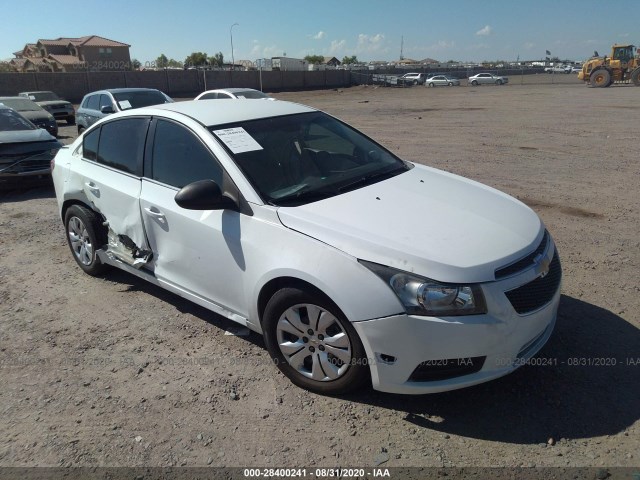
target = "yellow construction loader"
x: 623, y: 65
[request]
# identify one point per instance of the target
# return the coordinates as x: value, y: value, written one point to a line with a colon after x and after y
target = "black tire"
x: 355, y: 373
x: 498, y: 82
x: 415, y: 82
x: 95, y: 234
x: 451, y: 84
x: 431, y: 85
x: 635, y: 77
x: 80, y: 130
x: 71, y: 120
x: 600, y: 78
x: 474, y: 83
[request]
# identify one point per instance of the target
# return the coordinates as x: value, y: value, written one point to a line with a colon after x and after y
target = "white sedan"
x: 487, y: 79
x: 233, y: 93
x: 355, y: 265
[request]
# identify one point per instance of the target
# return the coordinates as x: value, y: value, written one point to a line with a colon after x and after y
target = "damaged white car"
x: 355, y: 265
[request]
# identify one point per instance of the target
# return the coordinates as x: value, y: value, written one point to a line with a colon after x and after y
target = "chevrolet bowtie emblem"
x: 542, y: 265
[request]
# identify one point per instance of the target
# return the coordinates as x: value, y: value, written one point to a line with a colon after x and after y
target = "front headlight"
x: 423, y: 296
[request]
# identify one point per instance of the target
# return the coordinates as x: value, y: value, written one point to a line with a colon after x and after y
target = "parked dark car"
x: 32, y: 112
x: 96, y: 105
x: 52, y: 103
x: 26, y: 151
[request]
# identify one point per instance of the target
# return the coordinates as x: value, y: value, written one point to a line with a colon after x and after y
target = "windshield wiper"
x: 371, y: 178
x: 304, y: 196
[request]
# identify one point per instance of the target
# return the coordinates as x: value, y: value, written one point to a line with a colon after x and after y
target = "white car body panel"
x: 392, y: 223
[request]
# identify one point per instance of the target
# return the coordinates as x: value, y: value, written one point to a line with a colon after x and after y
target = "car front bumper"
x: 410, y: 354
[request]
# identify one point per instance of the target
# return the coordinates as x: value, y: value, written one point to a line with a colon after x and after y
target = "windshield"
x: 21, y: 104
x: 11, y: 121
x: 139, y: 99
x: 43, y: 96
x: 250, y: 94
x: 296, y: 159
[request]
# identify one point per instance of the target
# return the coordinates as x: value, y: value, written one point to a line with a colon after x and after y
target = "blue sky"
x: 370, y: 29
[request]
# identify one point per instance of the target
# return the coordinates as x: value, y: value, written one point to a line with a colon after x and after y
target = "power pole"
x: 401, y: 47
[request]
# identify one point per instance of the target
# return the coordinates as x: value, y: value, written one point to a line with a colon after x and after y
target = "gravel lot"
x: 116, y: 372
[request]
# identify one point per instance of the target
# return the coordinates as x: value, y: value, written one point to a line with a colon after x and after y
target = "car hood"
x: 35, y: 115
x: 21, y: 136
x: 425, y: 221
x: 53, y: 102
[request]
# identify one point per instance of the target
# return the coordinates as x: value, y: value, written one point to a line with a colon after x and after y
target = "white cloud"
x: 529, y: 45
x: 624, y: 35
x: 337, y: 46
x: 261, y: 51
x: 442, y: 45
x: 484, y: 31
x: 318, y: 36
x: 370, y: 44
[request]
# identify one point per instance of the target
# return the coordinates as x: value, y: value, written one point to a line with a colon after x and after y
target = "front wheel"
x: 85, y: 236
x: 313, y: 344
x: 474, y: 83
x: 431, y: 85
x: 600, y: 78
x: 451, y: 84
x: 498, y: 82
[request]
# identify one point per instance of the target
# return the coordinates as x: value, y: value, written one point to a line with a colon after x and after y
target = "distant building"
x: 331, y: 61
x: 65, y: 54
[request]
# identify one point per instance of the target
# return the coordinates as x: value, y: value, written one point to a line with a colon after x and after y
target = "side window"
x: 92, y: 102
x: 179, y: 157
x: 209, y: 96
x: 105, y: 101
x: 122, y: 143
x: 90, y: 145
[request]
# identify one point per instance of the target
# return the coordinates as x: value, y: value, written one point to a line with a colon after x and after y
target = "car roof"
x: 13, y: 97
x: 37, y: 91
x: 232, y: 90
x: 210, y: 114
x: 123, y: 90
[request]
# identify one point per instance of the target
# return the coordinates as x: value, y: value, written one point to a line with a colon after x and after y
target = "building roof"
x: 87, y: 40
x: 65, y: 59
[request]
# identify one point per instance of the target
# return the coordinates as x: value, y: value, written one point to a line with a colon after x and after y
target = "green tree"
x: 217, y: 59
x: 135, y: 64
x: 196, y: 59
x: 172, y: 63
x: 314, y: 59
x: 349, y: 60
x: 161, y: 61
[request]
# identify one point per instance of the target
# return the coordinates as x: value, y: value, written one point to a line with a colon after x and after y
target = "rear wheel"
x: 85, y: 236
x: 635, y: 77
x: 313, y: 344
x: 600, y: 78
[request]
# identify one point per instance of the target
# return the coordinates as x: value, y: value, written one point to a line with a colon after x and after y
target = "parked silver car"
x: 96, y: 105
x: 442, y: 81
x: 487, y: 79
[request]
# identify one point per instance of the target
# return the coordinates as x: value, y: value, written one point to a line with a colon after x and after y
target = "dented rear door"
x: 109, y: 178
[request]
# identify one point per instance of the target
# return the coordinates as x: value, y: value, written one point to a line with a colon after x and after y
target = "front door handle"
x: 92, y: 187
x: 154, y: 212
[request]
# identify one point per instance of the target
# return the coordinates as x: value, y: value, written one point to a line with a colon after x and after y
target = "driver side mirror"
x: 107, y: 109
x: 204, y: 195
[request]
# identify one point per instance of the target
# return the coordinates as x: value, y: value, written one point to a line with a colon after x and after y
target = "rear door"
x: 110, y: 175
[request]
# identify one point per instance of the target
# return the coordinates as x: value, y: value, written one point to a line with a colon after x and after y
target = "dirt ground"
x: 116, y: 372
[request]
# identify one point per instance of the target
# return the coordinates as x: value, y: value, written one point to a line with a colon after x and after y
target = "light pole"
x: 233, y: 60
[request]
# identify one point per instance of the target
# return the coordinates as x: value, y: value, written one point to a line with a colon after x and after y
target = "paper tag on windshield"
x: 238, y: 140
x: 124, y: 104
